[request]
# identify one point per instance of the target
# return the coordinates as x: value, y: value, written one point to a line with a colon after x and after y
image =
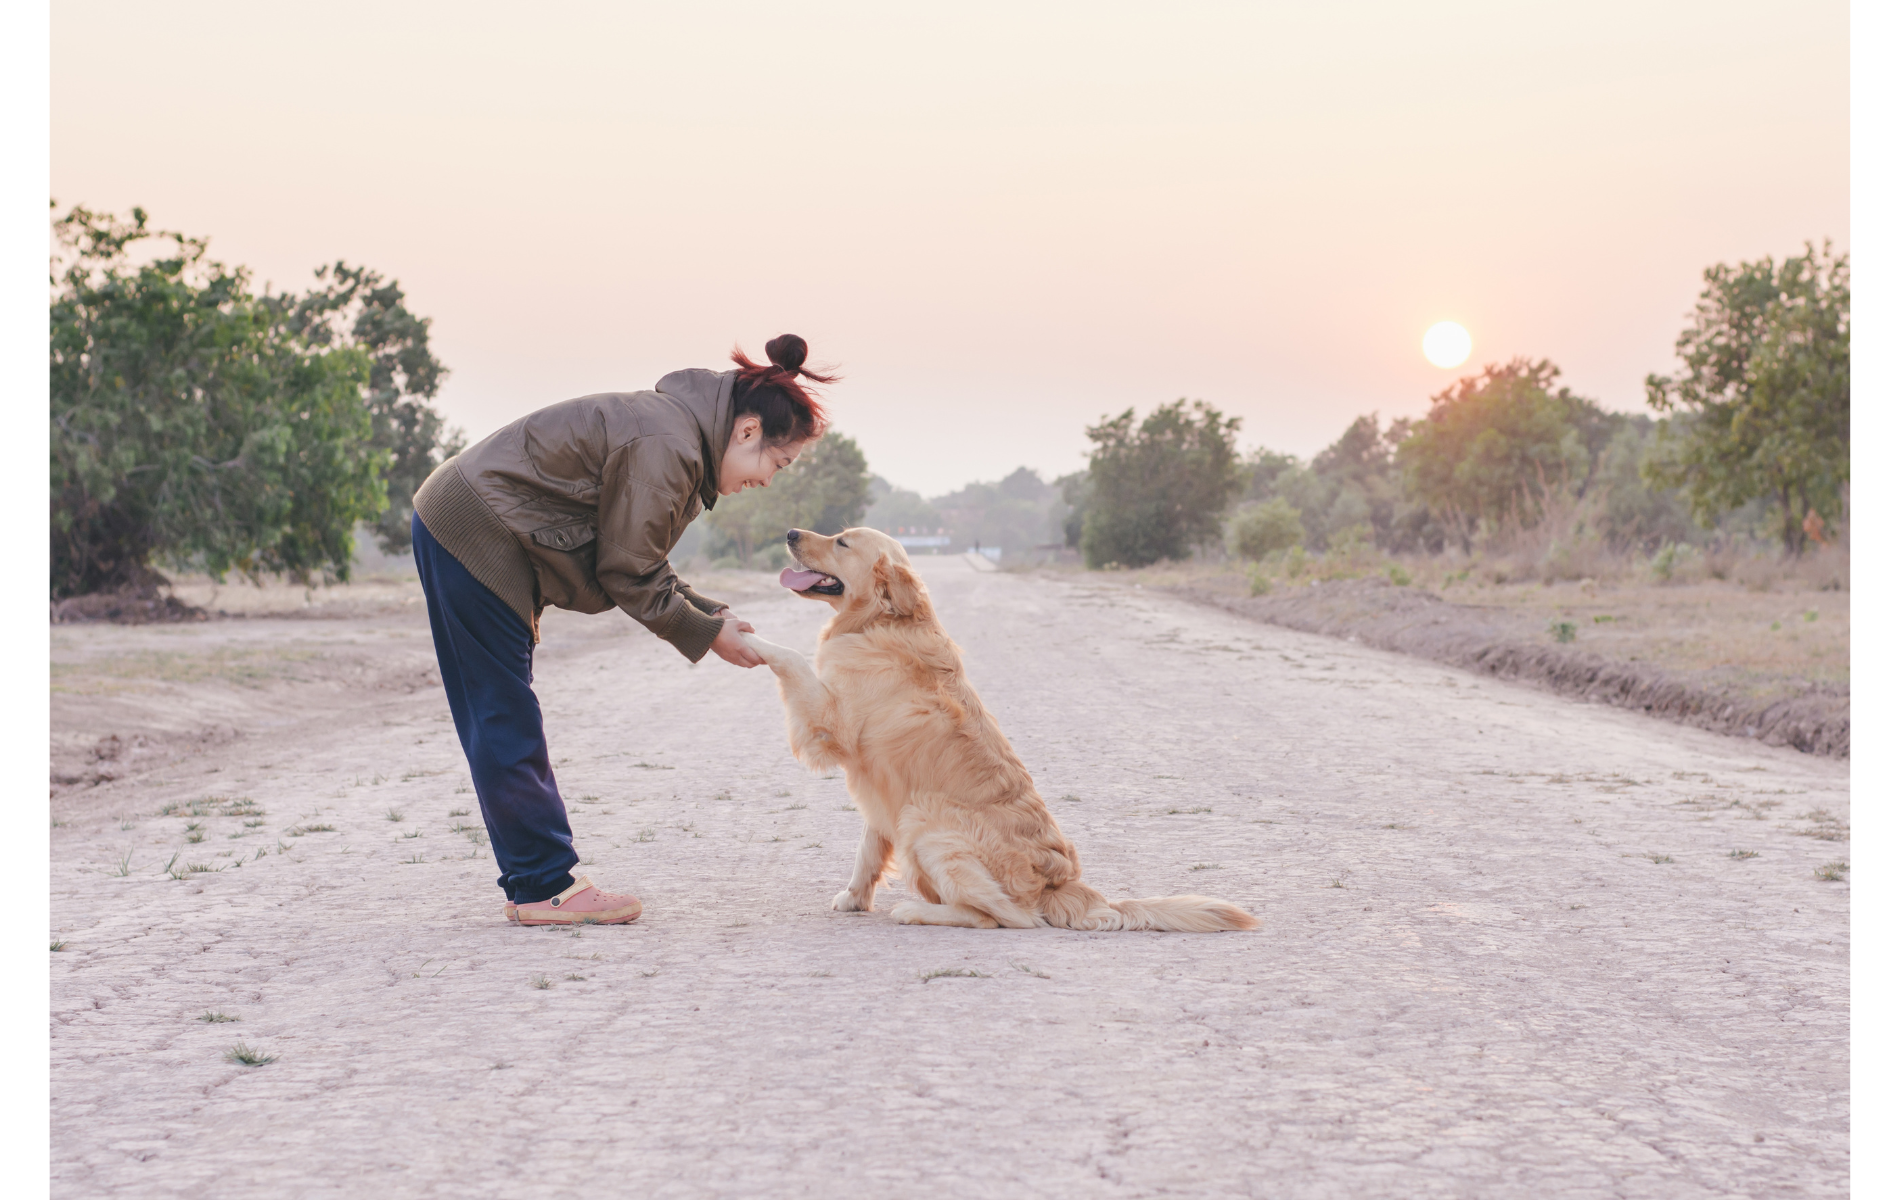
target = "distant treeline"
x: 198, y: 424
x: 1750, y: 442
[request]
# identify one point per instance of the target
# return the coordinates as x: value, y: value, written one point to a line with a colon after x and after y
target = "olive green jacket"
x: 578, y: 505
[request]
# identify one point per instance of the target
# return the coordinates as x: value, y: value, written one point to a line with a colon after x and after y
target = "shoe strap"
x: 581, y: 884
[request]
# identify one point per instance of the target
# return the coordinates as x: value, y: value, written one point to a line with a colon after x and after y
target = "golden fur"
x: 940, y: 788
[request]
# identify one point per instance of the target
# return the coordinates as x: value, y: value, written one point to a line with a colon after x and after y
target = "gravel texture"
x: 1507, y: 951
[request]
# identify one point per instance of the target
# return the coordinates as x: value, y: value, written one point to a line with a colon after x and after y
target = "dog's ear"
x: 896, y: 587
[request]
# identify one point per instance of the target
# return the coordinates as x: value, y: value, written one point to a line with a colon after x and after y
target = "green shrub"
x: 1265, y: 528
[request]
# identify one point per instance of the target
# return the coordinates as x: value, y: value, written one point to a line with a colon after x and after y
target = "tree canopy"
x: 1157, y: 490
x: 1498, y: 446
x: 357, y: 307
x: 199, y: 424
x: 1763, y: 392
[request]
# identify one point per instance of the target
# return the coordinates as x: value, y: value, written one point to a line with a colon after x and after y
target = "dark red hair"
x: 786, y: 409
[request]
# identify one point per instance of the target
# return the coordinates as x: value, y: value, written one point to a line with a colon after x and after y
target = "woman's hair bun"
x: 787, y: 411
x: 788, y: 351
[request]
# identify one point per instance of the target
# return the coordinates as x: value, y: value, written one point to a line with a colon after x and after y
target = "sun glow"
x: 1447, y: 344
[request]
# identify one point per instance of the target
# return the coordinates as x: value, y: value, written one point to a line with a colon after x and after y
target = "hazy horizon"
x: 1002, y: 222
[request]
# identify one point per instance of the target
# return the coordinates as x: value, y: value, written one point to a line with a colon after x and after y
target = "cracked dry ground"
x: 1513, y: 945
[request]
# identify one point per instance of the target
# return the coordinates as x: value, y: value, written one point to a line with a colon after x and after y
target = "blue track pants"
x: 486, y: 654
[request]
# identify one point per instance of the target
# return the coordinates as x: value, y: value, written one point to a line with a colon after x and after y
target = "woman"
x: 577, y: 506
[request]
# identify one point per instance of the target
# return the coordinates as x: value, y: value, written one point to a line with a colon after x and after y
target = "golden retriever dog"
x: 940, y: 788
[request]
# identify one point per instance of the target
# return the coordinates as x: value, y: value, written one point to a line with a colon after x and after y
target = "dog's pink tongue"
x: 798, y: 580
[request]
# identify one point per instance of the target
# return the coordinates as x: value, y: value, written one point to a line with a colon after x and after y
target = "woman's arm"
x: 644, y: 486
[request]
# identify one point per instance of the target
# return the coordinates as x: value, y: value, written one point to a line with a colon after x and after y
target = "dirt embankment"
x: 1812, y: 717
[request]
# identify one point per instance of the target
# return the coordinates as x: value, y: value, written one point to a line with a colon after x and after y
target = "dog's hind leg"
x: 970, y: 895
x: 916, y: 912
x: 874, y: 857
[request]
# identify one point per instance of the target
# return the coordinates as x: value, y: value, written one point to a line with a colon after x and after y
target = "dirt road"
x: 1510, y: 948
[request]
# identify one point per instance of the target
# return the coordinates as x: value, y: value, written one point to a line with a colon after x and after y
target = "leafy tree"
x: 1763, y: 392
x: 826, y: 490
x: 355, y: 307
x: 1498, y: 446
x: 1266, y: 527
x: 190, y: 424
x: 1158, y: 489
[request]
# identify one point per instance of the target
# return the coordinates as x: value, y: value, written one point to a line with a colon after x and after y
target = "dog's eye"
x: 843, y: 545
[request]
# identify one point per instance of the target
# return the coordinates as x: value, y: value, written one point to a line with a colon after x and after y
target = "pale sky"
x: 1001, y: 220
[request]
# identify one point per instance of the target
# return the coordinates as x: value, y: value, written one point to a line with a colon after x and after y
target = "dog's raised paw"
x: 847, y: 901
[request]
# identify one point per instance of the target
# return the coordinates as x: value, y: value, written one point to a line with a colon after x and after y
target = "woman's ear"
x: 745, y: 430
x: 897, y: 587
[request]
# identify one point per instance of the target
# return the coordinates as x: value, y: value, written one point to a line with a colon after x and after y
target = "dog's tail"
x: 1076, y: 905
x: 1183, y: 914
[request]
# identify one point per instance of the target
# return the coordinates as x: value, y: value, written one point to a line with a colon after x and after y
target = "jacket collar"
x: 708, y: 396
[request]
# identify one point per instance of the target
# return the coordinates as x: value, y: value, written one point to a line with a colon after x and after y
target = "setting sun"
x: 1447, y: 344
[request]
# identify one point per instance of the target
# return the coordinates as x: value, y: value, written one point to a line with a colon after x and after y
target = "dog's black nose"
x: 792, y: 535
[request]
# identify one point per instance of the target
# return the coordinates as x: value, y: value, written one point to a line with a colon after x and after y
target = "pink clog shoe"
x: 581, y: 904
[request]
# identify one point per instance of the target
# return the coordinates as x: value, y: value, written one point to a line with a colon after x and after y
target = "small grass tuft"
x: 394, y: 814
x: 1833, y: 872
x: 57, y: 947
x: 646, y: 835
x: 1659, y: 859
x: 1744, y: 854
x: 577, y: 978
x: 1026, y: 969
x: 540, y: 982
x: 1563, y: 631
x: 1187, y: 811
x: 458, y: 812
x: 1206, y: 867
x: 950, y: 973
x: 194, y: 837
x: 1337, y: 882
x: 216, y: 1017
x: 246, y: 1056
x: 1070, y: 796
x: 124, y: 867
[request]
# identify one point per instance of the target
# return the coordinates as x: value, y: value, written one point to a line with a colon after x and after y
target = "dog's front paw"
x: 908, y: 912
x: 847, y: 901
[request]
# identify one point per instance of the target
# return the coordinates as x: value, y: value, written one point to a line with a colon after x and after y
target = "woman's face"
x: 749, y: 462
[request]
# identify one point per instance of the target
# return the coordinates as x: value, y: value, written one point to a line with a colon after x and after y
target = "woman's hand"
x: 730, y: 646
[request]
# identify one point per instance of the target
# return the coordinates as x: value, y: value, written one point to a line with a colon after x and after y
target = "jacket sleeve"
x: 705, y: 604
x: 643, y: 487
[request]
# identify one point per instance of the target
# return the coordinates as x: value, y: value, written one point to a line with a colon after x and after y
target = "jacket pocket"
x: 565, y: 537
